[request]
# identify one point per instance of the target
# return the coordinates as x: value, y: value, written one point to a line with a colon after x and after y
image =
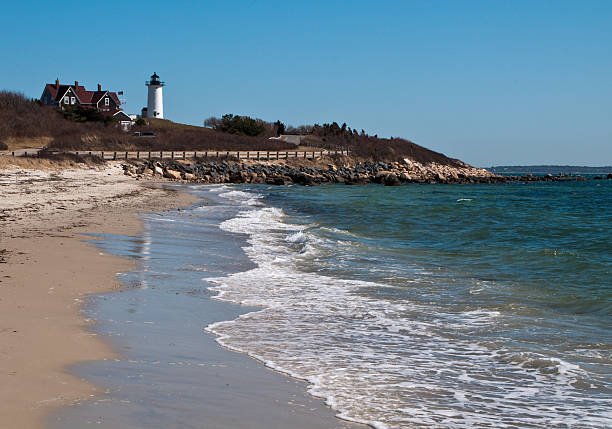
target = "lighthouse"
x: 155, y: 102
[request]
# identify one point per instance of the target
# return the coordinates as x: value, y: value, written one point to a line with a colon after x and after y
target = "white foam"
x: 374, y: 360
x: 245, y: 198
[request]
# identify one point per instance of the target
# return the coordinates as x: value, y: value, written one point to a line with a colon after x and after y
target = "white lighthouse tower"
x: 155, y: 102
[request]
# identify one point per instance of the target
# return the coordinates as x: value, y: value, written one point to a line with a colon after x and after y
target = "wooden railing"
x: 254, y: 155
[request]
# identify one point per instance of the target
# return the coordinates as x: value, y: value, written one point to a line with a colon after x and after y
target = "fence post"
x: 268, y: 155
x: 257, y: 155
x: 286, y: 155
x: 114, y: 155
x: 149, y: 154
x: 126, y: 154
x: 304, y: 154
x: 102, y: 155
x: 137, y: 154
x: 13, y: 153
x: 183, y: 154
x: 161, y: 154
x: 247, y: 154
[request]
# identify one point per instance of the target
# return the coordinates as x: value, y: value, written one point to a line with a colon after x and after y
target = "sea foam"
x: 388, y: 363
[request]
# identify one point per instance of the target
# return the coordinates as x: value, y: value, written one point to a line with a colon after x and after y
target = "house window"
x: 66, y: 100
x: 106, y: 101
x: 72, y: 100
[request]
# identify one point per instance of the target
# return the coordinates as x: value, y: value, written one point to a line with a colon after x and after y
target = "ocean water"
x: 429, y: 305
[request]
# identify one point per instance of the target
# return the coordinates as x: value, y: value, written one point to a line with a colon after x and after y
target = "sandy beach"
x: 47, y: 271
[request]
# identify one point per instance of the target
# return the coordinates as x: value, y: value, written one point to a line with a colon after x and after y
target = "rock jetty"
x: 321, y: 171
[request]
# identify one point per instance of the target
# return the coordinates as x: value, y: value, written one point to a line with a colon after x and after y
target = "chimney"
x: 56, y: 83
x: 76, y: 83
x: 99, y: 87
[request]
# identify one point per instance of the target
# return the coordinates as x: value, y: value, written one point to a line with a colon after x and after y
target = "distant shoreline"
x: 549, y: 169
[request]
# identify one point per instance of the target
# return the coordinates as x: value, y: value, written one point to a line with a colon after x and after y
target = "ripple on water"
x: 392, y: 363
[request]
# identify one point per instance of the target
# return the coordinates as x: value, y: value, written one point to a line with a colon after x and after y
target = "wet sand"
x: 168, y: 372
x: 58, y: 369
x: 47, y: 272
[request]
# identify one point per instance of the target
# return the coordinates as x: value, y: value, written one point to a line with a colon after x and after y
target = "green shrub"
x: 236, y: 124
x: 82, y: 114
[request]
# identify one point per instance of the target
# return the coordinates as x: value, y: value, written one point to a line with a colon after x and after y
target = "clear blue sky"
x: 489, y: 82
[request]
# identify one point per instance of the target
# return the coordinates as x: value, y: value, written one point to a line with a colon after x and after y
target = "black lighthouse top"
x: 155, y: 81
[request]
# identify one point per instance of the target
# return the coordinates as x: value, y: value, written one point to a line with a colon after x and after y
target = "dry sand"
x: 46, y: 271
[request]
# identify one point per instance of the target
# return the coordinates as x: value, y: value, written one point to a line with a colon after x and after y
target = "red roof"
x: 84, y: 96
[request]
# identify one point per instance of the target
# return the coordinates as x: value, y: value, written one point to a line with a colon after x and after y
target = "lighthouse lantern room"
x: 155, y: 101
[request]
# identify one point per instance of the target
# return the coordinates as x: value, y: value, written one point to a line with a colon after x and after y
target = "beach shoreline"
x: 54, y: 222
x: 47, y: 272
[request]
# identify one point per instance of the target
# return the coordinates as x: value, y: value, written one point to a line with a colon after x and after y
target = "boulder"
x: 392, y: 180
x: 172, y: 174
x: 355, y: 181
x: 278, y: 180
x: 304, y: 179
x: 405, y: 177
x: 237, y: 177
x: 380, y: 176
x: 190, y: 176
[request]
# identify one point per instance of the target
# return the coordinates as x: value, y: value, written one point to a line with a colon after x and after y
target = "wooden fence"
x: 254, y: 155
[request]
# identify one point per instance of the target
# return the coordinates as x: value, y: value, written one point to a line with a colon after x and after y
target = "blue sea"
x: 429, y: 305
x: 418, y: 306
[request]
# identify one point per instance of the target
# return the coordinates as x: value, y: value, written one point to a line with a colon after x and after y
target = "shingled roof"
x: 84, y: 96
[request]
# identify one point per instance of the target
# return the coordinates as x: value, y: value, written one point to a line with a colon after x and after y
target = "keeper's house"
x: 105, y: 102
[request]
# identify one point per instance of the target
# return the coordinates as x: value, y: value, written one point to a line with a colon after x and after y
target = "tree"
x: 212, y: 122
x: 279, y: 127
x: 241, y: 125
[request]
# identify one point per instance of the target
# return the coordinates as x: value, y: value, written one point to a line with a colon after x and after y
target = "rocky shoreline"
x: 322, y: 171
